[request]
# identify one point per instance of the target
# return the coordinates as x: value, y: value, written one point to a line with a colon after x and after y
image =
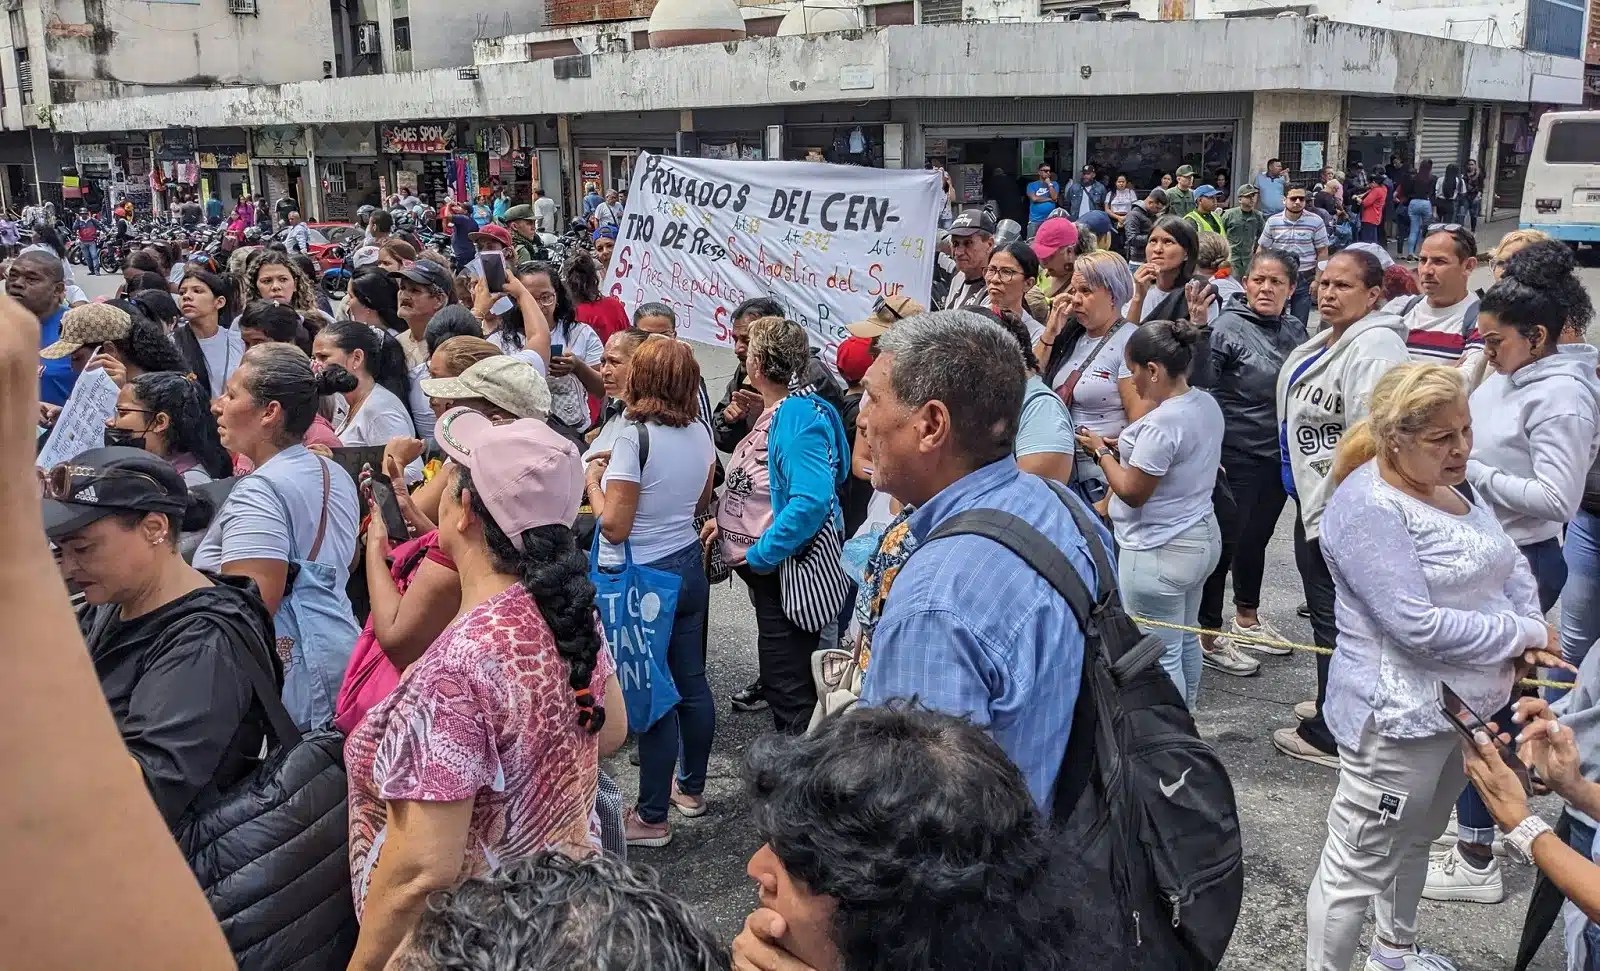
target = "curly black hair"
x: 582, y: 277
x: 192, y: 430
x: 1539, y: 290
x: 882, y: 806
x: 556, y: 575
x: 555, y: 913
x: 147, y: 346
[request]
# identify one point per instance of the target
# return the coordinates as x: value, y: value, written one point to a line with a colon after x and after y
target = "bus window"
x: 1574, y: 143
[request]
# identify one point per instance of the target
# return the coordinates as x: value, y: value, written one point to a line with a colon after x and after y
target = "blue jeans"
x: 1472, y: 211
x: 91, y: 256
x: 1300, y: 301
x: 1033, y: 228
x: 686, y: 730
x: 1166, y: 584
x: 1550, y: 573
x: 1420, y: 212
x: 1580, y: 612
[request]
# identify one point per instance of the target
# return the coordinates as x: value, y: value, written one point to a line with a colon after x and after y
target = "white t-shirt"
x: 1121, y: 201
x: 1180, y: 441
x: 381, y: 417
x: 1152, y: 299
x: 568, y: 399
x: 422, y: 416
x: 674, y: 477
x: 1433, y: 334
x: 1097, y: 401
x: 251, y: 526
x: 498, y: 339
x: 544, y: 214
x: 222, y: 351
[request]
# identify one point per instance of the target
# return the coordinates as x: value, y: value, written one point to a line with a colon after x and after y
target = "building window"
x: 402, y: 34
x: 1303, y: 149
x: 24, y: 76
x: 1556, y: 27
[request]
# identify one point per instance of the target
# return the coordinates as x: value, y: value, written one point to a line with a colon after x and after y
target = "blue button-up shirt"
x: 970, y: 629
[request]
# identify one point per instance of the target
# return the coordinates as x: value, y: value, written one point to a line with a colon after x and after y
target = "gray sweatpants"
x: 1394, y: 797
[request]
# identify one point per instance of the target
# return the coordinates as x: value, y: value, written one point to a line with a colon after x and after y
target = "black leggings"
x: 785, y: 653
x: 1258, y: 499
x: 1320, y: 595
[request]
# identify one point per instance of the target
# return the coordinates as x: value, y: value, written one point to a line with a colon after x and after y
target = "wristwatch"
x: 1101, y: 453
x: 1519, y: 842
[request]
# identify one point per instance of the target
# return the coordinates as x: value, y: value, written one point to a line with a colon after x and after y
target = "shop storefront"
x: 279, y: 156
x: 175, y: 172
x: 348, y: 171
x: 17, y: 187
x: 1518, y: 124
x: 993, y: 147
x: 1379, y: 129
x: 98, y: 169
x: 1443, y: 137
x: 502, y: 157
x: 419, y: 160
x: 607, y: 146
x: 846, y: 144
x: 224, y: 156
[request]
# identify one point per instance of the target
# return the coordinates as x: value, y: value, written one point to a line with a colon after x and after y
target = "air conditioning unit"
x: 614, y: 44
x: 572, y: 66
x: 367, y: 38
x: 242, y: 8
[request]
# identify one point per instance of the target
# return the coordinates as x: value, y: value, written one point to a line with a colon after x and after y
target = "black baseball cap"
x: 109, y: 480
x: 428, y: 274
x: 973, y: 221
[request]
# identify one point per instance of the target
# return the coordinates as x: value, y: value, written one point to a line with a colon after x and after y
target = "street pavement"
x: 1282, y: 803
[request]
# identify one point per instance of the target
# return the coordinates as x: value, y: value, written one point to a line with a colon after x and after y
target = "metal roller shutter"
x: 1379, y: 118
x: 1444, y: 140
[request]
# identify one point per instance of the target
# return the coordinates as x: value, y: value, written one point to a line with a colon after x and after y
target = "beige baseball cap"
x: 89, y: 324
x: 505, y: 381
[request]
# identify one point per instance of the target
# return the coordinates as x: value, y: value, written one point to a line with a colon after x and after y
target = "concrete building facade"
x: 989, y: 98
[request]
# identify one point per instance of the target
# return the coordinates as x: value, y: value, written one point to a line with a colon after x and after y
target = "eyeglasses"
x: 1002, y: 272
x: 1295, y: 199
x: 66, y: 482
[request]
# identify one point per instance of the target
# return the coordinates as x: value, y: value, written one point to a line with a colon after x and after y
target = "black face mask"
x: 124, y: 438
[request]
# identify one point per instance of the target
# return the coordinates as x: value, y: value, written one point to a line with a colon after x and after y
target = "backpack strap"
x: 263, y: 683
x: 1030, y: 545
x: 1469, y: 321
x: 1411, y: 304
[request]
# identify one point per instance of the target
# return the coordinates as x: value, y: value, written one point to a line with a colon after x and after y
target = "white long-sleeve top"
x: 1423, y: 596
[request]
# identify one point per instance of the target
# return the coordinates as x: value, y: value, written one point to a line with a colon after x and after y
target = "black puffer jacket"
x: 1238, y: 361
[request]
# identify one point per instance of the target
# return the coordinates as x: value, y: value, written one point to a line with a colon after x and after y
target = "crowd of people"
x: 424, y: 540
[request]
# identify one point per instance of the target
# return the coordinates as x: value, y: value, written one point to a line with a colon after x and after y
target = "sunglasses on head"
x: 1446, y: 228
x: 881, y: 305
x: 66, y: 482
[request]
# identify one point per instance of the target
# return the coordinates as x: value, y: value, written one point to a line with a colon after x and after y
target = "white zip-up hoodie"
x: 1533, y: 440
x: 1320, y: 404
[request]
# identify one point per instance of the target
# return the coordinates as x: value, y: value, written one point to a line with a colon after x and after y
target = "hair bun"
x: 334, y: 379
x: 1542, y: 265
x: 1185, y: 332
x: 197, y: 513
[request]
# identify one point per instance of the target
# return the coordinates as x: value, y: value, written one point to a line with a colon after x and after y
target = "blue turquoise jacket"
x: 808, y: 458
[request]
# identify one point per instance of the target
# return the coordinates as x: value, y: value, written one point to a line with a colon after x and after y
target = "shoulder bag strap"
x: 644, y: 445
x: 1069, y: 388
x: 1016, y: 535
x: 322, y: 521
x: 1469, y: 321
x: 263, y: 684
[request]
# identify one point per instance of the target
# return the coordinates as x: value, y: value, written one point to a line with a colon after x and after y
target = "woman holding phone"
x: 1429, y: 588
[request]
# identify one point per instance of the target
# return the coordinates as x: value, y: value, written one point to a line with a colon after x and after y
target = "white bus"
x: 1562, y: 193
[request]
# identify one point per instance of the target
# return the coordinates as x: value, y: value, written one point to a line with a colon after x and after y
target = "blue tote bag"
x: 637, y: 605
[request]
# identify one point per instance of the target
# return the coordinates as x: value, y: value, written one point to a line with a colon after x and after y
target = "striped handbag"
x: 812, y: 585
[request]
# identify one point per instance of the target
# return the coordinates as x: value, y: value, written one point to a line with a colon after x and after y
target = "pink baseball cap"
x: 1054, y: 234
x: 526, y: 474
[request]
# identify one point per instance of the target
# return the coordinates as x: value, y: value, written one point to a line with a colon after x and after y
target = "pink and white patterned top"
x: 486, y: 714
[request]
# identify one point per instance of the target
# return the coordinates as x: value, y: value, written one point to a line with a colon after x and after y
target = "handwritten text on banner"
x: 828, y: 241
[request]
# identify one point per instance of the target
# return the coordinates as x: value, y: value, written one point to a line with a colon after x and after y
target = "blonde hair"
x: 1518, y: 238
x: 461, y: 352
x: 1213, y: 252
x: 1403, y: 403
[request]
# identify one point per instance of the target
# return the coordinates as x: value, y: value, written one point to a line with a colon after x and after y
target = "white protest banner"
x: 82, y: 422
x: 828, y: 241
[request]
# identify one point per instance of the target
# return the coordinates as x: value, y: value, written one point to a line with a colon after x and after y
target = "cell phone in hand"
x: 1467, y: 722
x: 556, y: 349
x: 394, y: 522
x: 494, y: 270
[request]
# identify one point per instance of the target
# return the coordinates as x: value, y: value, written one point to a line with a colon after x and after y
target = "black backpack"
x: 1147, y: 804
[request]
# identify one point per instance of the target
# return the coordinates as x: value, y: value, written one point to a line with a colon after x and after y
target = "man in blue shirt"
x: 967, y: 627
x: 214, y: 209
x: 36, y: 281
x: 1273, y: 184
x: 591, y: 200
x: 1043, y: 195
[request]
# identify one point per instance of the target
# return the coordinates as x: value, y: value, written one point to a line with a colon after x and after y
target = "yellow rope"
x: 1310, y: 648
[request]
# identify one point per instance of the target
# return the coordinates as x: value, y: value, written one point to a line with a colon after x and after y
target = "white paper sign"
x: 82, y: 422
x: 828, y: 241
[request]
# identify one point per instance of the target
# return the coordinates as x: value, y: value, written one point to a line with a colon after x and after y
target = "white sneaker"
x: 1264, y: 628
x: 1415, y: 960
x: 1228, y: 659
x: 1451, y: 877
x: 1305, y: 710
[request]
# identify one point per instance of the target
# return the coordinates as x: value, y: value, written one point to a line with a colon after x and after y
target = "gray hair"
x: 655, y: 309
x: 779, y: 348
x: 968, y: 363
x: 1105, y: 270
x: 554, y: 913
x: 282, y: 373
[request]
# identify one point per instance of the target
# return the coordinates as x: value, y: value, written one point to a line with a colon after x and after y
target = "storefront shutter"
x: 1443, y: 140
